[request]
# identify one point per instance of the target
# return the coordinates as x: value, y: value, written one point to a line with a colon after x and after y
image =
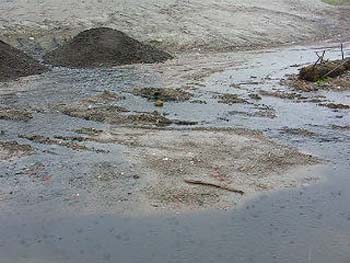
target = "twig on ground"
x: 342, y: 51
x: 320, y: 57
x: 227, y: 188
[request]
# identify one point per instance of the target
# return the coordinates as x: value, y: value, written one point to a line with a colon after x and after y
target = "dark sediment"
x: 328, y: 69
x: 14, y: 63
x: 104, y: 47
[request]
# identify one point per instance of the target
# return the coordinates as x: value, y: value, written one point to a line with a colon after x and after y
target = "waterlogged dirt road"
x: 88, y: 167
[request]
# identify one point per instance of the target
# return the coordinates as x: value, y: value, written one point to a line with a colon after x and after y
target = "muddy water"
x: 308, y: 224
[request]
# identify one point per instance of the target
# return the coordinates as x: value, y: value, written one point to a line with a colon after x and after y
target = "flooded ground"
x: 76, y: 193
x: 303, y: 225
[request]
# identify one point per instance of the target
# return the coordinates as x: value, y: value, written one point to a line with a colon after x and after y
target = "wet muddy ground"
x: 97, y: 164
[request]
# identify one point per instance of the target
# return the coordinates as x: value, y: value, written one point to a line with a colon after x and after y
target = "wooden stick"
x: 342, y: 51
x: 316, y: 60
x: 320, y: 57
x: 227, y: 188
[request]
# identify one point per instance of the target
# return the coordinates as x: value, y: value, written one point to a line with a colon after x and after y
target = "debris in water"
x: 223, y: 187
x: 325, y: 69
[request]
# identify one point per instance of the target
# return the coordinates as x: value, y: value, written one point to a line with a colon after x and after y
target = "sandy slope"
x: 173, y: 24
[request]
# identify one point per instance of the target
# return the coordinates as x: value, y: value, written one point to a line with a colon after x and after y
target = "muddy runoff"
x: 93, y: 140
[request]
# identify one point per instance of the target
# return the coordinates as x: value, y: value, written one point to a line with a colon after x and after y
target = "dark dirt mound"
x: 328, y: 69
x: 104, y: 47
x: 14, y: 63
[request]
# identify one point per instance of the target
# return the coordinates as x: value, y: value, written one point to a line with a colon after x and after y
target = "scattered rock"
x: 166, y: 94
x: 104, y: 47
x: 14, y: 63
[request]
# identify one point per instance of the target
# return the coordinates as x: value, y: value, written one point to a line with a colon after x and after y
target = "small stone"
x: 159, y: 103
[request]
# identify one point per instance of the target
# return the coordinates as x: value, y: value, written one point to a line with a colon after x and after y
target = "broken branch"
x: 320, y: 57
x: 227, y: 188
